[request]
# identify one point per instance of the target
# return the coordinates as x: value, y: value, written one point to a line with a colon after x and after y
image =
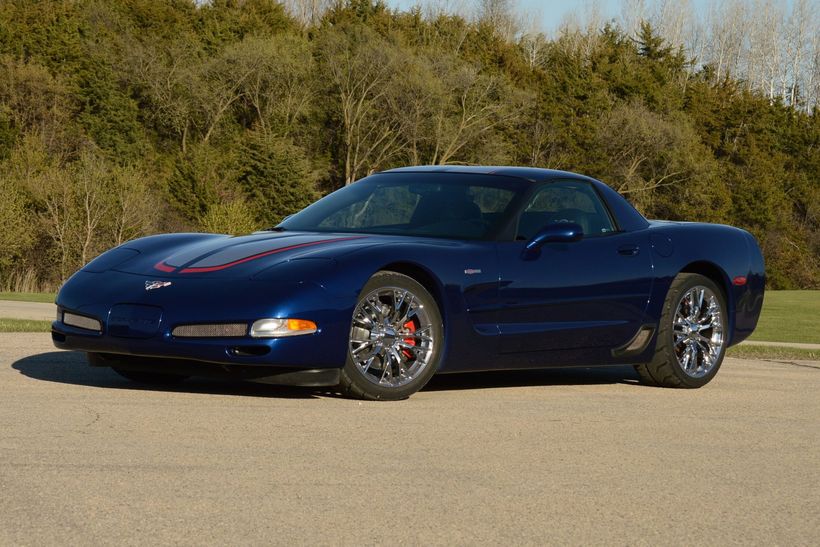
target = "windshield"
x: 447, y: 205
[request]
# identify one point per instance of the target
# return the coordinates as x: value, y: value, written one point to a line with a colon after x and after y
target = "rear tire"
x: 396, y: 339
x: 691, y: 340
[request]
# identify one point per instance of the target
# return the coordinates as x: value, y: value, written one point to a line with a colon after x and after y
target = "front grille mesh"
x: 213, y: 330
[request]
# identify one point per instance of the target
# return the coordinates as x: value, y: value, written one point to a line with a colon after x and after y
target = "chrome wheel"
x: 391, y: 338
x: 697, y: 331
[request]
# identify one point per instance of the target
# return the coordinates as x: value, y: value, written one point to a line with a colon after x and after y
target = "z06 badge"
x: 151, y: 285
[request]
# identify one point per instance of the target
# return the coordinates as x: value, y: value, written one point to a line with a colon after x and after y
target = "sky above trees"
x: 549, y: 15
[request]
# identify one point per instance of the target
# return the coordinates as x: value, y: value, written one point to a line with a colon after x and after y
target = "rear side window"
x: 565, y: 201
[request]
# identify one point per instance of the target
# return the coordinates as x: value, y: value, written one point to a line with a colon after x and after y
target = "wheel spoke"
x: 693, y: 363
x: 363, y: 320
x: 397, y: 357
x: 409, y: 347
x: 687, y: 356
x: 397, y: 304
x: 365, y: 344
x: 409, y: 313
x: 695, y: 301
x: 367, y: 364
x: 373, y: 312
x: 387, y: 373
x: 705, y: 340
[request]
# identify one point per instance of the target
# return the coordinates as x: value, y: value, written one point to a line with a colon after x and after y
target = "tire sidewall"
x: 393, y: 279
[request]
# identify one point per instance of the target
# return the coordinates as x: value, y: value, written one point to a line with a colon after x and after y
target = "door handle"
x: 629, y: 250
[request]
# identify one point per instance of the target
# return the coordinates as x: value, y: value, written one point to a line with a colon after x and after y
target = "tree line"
x: 129, y: 117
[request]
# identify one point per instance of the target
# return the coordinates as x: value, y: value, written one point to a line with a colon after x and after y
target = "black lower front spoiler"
x: 286, y: 376
x: 317, y: 377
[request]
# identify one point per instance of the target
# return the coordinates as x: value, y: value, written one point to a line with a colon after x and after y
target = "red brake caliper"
x: 409, y: 341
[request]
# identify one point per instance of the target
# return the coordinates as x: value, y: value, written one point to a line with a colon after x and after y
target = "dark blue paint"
x: 570, y: 303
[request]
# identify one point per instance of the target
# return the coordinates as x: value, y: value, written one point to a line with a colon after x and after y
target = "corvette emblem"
x: 151, y: 285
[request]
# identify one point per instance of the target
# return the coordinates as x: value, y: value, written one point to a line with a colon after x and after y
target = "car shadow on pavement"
x: 71, y: 367
x: 535, y: 377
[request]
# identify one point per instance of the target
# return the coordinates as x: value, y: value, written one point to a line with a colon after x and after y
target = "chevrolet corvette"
x: 416, y: 271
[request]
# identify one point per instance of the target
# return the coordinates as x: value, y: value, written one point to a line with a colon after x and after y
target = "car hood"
x: 211, y: 255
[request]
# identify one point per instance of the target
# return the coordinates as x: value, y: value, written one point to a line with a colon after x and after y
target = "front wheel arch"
x: 423, y: 276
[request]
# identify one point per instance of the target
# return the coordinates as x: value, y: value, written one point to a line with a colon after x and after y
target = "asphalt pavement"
x: 539, y: 457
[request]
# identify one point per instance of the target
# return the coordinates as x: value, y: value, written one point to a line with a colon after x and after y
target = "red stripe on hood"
x: 163, y: 267
x: 260, y: 255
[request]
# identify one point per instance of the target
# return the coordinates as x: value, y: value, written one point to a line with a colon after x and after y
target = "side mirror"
x: 558, y: 232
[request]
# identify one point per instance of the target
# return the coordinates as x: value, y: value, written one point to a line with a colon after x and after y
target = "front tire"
x: 396, y: 339
x: 691, y: 335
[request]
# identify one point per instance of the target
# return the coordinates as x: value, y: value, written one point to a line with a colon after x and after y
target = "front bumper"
x: 200, y: 301
x: 296, y: 352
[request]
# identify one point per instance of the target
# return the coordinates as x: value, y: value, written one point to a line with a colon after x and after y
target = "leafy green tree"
x: 202, y: 176
x: 661, y: 165
x: 15, y: 219
x: 276, y: 177
x: 234, y: 217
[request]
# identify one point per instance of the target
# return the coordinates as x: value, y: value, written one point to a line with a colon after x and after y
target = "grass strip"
x: 24, y: 325
x: 47, y: 297
x: 749, y: 351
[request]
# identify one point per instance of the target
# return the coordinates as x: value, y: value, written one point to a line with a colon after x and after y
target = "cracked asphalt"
x: 538, y: 457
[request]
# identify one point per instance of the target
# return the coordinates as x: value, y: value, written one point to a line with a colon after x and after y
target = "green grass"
x: 28, y: 296
x: 789, y: 316
x: 24, y: 325
x: 772, y: 352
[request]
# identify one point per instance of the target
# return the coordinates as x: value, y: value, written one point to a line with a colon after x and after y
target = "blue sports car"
x: 423, y: 270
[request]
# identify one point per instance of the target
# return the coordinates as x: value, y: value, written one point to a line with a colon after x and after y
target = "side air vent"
x: 637, y: 344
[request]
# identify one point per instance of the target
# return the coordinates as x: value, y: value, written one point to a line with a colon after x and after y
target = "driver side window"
x: 389, y: 205
x: 565, y: 201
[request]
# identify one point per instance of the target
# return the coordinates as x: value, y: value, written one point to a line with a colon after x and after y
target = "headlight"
x: 276, y: 328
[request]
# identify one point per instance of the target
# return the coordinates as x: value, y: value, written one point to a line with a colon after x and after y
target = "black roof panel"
x: 533, y: 174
